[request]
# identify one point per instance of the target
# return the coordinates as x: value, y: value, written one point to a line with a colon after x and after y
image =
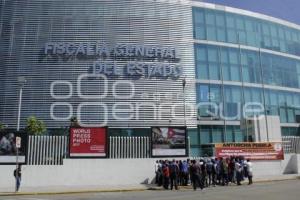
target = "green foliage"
x: 2, y: 126
x: 35, y: 126
x: 74, y: 122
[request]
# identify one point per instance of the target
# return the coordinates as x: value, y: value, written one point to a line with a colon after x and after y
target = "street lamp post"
x: 184, y: 114
x: 183, y: 88
x: 21, y: 81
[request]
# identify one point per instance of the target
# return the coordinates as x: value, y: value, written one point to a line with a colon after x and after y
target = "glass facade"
x: 239, y: 29
x: 203, y: 140
x: 230, y: 76
x: 290, y: 131
x: 233, y: 64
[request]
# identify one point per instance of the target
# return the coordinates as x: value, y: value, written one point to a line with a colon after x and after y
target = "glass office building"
x: 227, y: 57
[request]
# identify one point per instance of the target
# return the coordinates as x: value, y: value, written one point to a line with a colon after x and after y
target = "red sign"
x: 88, y: 142
x: 251, y: 150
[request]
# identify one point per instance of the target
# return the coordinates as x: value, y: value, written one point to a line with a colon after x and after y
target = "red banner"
x: 88, y: 142
x: 251, y: 150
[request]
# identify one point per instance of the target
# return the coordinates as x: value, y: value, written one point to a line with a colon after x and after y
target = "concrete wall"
x: 115, y: 172
x: 267, y: 128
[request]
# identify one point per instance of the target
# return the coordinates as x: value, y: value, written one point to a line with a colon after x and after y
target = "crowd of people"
x: 203, y: 173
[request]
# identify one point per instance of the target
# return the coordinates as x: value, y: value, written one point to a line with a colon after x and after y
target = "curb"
x: 122, y: 190
x: 254, y: 181
x: 71, y: 192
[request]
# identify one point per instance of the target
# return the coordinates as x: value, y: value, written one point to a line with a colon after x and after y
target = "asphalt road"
x: 280, y: 190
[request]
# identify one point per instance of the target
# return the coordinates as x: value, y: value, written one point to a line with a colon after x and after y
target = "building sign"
x: 88, y: 142
x: 253, y: 151
x: 8, y: 147
x: 141, y: 60
x: 168, y: 141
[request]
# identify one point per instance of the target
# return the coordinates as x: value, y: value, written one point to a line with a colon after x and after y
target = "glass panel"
x: 212, y: 54
x: 217, y: 134
x: 199, y: 16
x: 210, y: 18
x: 220, y: 20
x: 233, y: 56
x: 235, y: 72
x: 229, y: 137
x: 226, y: 72
x: 211, y: 33
x: 283, y: 117
x: 200, y: 33
x: 291, y: 115
x: 202, y: 71
x: 232, y: 36
x: 194, y: 136
x: 230, y: 20
x: 238, y: 135
x: 205, y: 135
x: 195, y: 152
x: 221, y: 34
x: 201, y: 53
x: 204, y: 90
x: 214, y: 72
x: 240, y: 23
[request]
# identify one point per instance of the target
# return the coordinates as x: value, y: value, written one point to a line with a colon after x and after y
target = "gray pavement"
x: 64, y: 189
x: 288, y: 190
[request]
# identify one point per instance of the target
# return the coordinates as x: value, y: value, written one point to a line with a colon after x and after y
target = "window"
x: 220, y: 20
x: 202, y: 70
x: 200, y: 33
x: 240, y: 23
x: 212, y: 54
x: 214, y: 71
x: 217, y: 134
x: 211, y: 33
x: 201, y: 53
x: 233, y: 28
x: 229, y: 134
x: 221, y: 34
x: 199, y: 16
x: 194, y: 136
x: 230, y: 20
x: 210, y: 18
x: 232, y: 99
x: 238, y: 135
x: 232, y: 35
x: 205, y: 135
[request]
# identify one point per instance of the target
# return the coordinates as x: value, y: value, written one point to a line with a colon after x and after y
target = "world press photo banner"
x: 251, y: 150
x: 88, y: 142
x: 168, y: 141
x: 8, y: 149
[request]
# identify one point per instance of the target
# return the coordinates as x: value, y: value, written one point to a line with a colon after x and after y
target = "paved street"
x: 266, y: 191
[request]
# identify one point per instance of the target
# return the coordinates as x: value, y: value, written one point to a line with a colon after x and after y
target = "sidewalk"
x: 92, y: 189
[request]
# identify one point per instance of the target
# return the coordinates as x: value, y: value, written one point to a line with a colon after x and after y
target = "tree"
x: 35, y: 126
x: 2, y: 126
x: 74, y: 122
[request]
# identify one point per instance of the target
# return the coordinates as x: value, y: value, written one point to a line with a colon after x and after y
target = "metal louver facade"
x: 27, y: 25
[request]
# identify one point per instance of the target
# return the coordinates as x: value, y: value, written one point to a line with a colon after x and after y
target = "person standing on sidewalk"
x: 250, y: 171
x: 195, y: 171
x: 174, y: 172
x: 166, y: 175
x: 17, y: 175
x: 238, y: 169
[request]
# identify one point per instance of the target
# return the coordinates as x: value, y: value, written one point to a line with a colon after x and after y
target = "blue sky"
x: 284, y: 9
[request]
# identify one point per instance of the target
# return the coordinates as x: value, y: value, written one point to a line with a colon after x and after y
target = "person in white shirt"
x: 250, y: 171
x: 238, y: 170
